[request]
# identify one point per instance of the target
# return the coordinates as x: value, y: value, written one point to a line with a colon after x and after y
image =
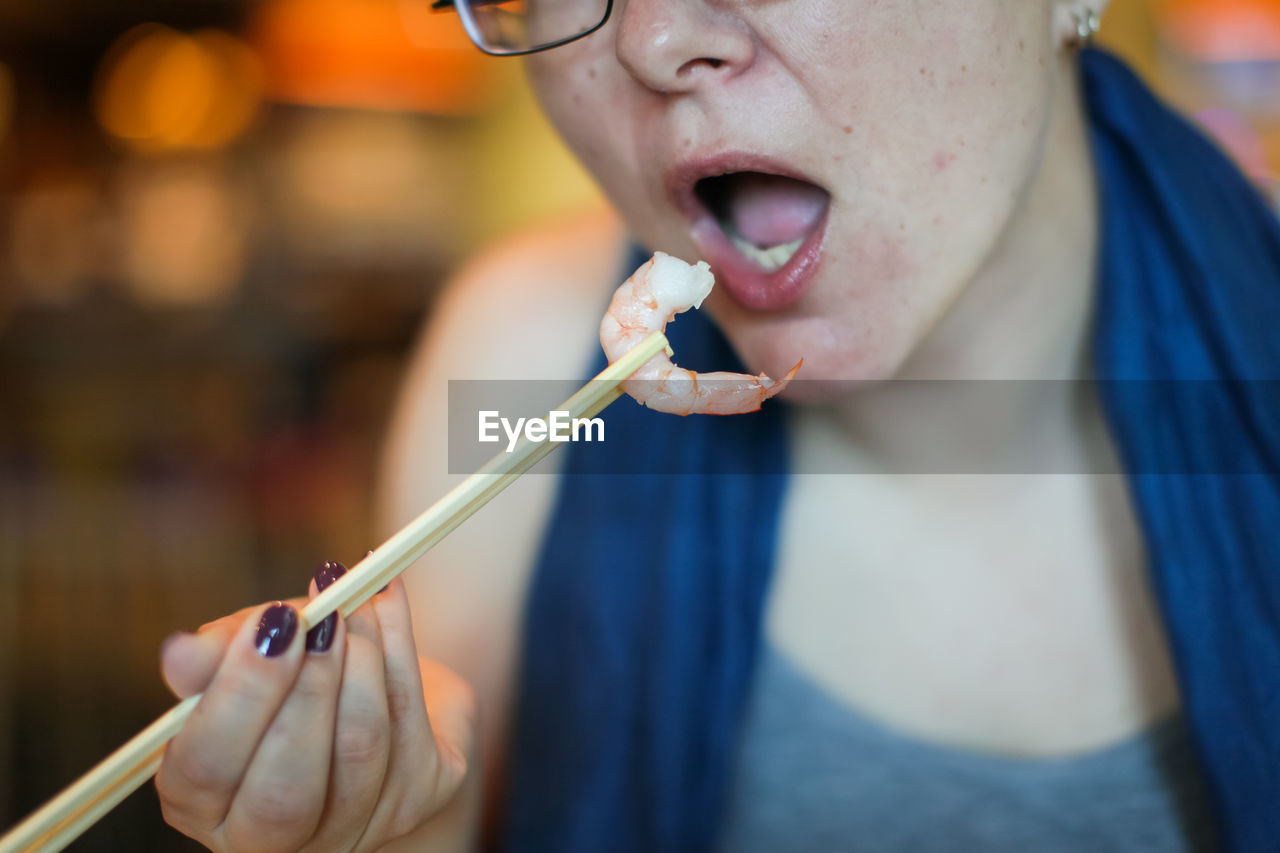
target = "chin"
x: 838, y: 355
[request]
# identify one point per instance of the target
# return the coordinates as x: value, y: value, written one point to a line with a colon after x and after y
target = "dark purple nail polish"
x: 329, y: 571
x: 276, y: 629
x: 320, y: 638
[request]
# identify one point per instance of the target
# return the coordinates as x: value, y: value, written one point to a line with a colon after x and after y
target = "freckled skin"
x: 936, y: 159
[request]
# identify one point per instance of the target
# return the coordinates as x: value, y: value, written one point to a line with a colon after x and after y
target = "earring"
x: 1086, y: 27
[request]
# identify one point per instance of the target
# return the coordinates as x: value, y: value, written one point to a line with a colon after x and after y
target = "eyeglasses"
x: 515, y: 27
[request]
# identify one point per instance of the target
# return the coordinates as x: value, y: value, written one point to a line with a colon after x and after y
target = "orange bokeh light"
x: 1223, y: 30
x: 159, y: 89
x: 381, y: 54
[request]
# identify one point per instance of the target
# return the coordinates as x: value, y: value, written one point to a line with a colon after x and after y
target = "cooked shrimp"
x: 654, y: 294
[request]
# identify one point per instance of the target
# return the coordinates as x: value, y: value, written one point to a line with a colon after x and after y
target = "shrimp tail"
x: 746, y: 394
x: 777, y: 385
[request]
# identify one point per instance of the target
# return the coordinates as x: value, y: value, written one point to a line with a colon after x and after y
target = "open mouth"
x: 766, y: 217
x: 760, y: 225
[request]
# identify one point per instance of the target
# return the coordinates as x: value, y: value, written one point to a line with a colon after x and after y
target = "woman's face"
x: 844, y: 165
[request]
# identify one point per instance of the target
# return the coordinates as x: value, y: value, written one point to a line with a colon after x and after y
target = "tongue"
x: 770, y: 210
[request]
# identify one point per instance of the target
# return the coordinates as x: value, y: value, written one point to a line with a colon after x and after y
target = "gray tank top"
x: 812, y: 775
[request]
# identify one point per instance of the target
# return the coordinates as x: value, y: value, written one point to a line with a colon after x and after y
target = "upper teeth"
x: 771, y: 259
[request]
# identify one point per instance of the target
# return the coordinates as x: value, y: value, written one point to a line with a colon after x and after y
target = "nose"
x: 674, y: 46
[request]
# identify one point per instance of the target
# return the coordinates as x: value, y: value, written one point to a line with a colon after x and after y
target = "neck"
x: 1024, y: 316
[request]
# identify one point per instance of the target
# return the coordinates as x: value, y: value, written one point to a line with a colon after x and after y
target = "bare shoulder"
x: 528, y: 308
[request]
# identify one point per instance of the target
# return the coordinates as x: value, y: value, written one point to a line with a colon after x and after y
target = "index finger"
x: 204, y: 763
x: 189, y: 660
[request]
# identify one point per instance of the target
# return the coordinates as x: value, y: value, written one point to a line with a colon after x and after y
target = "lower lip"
x: 750, y: 286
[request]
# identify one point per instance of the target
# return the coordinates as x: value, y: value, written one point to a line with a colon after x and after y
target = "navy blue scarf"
x: 644, y: 614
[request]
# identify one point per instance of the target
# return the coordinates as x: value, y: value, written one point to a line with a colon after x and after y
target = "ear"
x: 1075, y: 22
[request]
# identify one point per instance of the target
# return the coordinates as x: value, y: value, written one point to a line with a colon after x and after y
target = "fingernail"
x: 320, y: 638
x: 329, y: 571
x: 276, y: 629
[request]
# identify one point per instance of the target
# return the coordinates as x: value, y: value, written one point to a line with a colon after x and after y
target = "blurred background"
x: 221, y: 226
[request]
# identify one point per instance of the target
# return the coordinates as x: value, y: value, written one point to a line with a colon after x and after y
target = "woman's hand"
x: 317, y: 743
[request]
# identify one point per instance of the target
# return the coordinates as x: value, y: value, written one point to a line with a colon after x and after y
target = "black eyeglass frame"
x: 463, y: 10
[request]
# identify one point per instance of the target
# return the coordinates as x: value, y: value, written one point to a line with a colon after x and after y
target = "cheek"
x: 602, y: 116
x: 943, y: 149
x: 986, y: 88
x: 569, y: 86
x: 927, y: 87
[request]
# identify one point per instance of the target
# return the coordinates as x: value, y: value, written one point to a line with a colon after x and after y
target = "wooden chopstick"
x: 70, y: 813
